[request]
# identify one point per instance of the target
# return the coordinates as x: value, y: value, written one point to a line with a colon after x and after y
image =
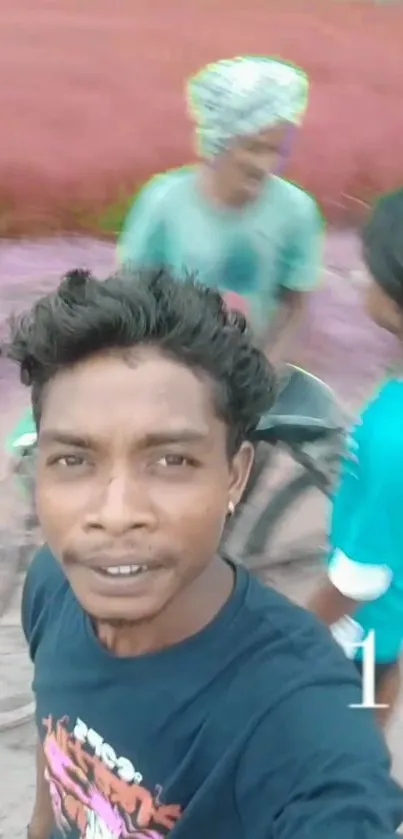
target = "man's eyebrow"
x: 151, y: 439
x: 179, y: 435
x: 65, y: 438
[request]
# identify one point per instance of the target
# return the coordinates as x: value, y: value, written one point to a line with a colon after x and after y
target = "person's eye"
x: 69, y: 461
x: 173, y: 460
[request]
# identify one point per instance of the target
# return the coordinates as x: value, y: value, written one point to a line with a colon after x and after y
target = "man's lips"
x: 128, y: 571
x: 117, y: 564
x: 98, y: 560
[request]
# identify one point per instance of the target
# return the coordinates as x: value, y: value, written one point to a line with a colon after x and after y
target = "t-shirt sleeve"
x: 141, y: 244
x: 317, y: 769
x: 367, y: 554
x: 42, y: 582
x: 305, y: 249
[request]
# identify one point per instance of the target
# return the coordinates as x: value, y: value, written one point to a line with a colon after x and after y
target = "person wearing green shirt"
x: 230, y: 219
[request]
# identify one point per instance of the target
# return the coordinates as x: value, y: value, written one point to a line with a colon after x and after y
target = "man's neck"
x: 214, y: 191
x: 190, y: 612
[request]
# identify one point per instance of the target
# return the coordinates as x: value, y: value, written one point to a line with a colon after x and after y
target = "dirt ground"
x: 92, y: 97
x: 339, y: 344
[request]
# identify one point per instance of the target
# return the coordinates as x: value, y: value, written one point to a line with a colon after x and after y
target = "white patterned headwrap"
x: 242, y: 96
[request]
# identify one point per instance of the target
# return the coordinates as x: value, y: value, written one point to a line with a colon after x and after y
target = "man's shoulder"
x: 44, y: 569
x: 292, y: 645
x: 294, y: 199
x: 274, y: 611
x: 378, y: 425
x: 302, y: 740
x: 44, y: 584
x: 283, y: 660
x: 164, y: 187
x: 389, y: 399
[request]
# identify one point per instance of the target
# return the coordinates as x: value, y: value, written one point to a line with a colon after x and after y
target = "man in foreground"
x: 364, y: 590
x: 231, y: 219
x: 176, y: 696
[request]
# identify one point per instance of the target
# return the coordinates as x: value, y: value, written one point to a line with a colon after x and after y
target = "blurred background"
x: 92, y: 104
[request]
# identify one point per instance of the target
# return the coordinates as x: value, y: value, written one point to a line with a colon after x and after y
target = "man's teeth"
x: 124, y: 570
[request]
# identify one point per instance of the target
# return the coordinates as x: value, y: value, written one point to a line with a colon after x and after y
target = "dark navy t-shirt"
x: 243, y: 731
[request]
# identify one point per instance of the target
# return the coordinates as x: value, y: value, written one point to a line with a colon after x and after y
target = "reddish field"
x: 91, y: 97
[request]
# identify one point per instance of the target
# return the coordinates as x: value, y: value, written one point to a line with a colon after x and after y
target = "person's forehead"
x: 142, y: 394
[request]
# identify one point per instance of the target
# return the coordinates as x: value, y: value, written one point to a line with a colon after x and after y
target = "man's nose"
x: 124, y: 505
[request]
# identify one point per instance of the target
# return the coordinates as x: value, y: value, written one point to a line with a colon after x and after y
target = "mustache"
x: 127, y: 555
x: 255, y: 173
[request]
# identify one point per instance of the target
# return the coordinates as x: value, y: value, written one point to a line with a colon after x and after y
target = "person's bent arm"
x: 302, y: 275
x: 286, y: 325
x: 364, y: 559
x: 316, y: 768
x: 350, y: 583
x: 42, y: 821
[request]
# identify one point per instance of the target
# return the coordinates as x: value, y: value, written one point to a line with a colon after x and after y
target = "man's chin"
x: 250, y: 194
x: 132, y: 598
x: 118, y: 611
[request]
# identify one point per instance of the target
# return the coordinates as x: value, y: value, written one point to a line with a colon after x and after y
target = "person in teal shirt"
x: 230, y: 219
x: 363, y: 596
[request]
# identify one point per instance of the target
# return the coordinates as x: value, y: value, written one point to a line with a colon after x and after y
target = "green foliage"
x: 83, y: 217
x: 108, y: 220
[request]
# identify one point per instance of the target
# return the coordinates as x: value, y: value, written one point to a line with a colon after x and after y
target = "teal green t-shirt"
x: 366, y: 559
x: 255, y: 251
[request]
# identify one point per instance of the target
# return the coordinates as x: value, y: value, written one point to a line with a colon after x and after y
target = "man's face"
x: 244, y: 168
x: 133, y: 480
